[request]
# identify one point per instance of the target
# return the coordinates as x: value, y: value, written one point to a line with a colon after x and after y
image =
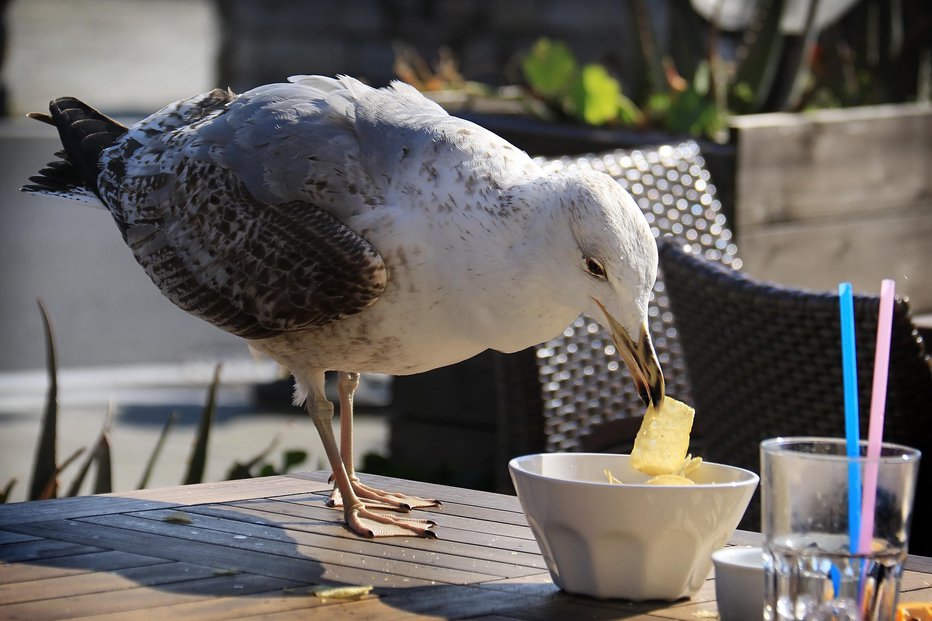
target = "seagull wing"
x: 220, y: 242
x: 362, y: 148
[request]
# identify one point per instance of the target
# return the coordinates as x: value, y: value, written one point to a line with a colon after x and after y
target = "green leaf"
x: 596, y: 96
x: 293, y: 458
x: 238, y: 471
x: 7, y: 490
x: 549, y: 68
x: 75, y: 488
x: 628, y: 112
x: 702, y: 78
x: 156, y: 451
x: 743, y: 93
x: 198, y: 462
x: 658, y: 105
x: 103, y: 482
x: 44, y: 471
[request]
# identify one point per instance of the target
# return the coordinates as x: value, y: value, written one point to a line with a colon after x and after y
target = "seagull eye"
x: 594, y: 267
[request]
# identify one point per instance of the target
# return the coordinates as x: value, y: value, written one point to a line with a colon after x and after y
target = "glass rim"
x: 782, y: 445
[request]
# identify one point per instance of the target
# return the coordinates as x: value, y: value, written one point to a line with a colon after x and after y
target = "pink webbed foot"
x: 371, y: 524
x: 374, y: 498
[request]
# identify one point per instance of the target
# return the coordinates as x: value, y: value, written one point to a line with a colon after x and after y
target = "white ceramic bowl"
x: 632, y: 540
x: 739, y: 582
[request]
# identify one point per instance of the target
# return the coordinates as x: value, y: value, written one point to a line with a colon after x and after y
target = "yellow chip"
x: 670, y: 479
x: 689, y: 465
x: 663, y: 439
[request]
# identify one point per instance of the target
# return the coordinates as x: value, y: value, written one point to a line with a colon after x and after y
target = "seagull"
x: 341, y: 227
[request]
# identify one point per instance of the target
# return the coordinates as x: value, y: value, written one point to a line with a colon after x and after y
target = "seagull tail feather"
x: 84, y: 133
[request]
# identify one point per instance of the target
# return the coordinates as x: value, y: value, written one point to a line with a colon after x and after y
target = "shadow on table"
x: 257, y: 557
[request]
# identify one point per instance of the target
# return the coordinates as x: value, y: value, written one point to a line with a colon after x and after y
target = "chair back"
x: 765, y: 360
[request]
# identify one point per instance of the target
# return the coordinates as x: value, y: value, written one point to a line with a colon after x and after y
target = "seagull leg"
x: 358, y: 518
x: 374, y: 498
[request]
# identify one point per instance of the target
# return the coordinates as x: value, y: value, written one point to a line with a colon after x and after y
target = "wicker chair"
x: 765, y: 360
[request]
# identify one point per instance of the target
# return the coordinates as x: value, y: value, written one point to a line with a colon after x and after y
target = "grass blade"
x: 48, y: 489
x: 78, y: 480
x: 103, y: 484
x: 86, y: 466
x: 157, y: 450
x: 44, y: 472
x: 7, y: 489
x: 244, y: 470
x: 198, y: 463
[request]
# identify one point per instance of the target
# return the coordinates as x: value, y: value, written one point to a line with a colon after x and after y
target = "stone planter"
x: 837, y: 195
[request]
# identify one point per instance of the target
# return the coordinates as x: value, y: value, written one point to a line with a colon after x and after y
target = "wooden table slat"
x: 105, y: 561
x: 261, y: 605
x: 456, y: 539
x: 99, y: 582
x: 11, y: 537
x: 343, y: 551
x: 40, y: 548
x: 404, y: 549
x: 256, y: 549
x: 141, y: 598
x: 227, y: 557
x: 443, y: 493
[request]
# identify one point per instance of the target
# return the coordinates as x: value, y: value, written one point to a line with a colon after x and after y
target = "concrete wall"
x: 838, y: 195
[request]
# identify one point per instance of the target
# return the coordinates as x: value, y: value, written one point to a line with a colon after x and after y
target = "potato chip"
x: 663, y: 439
x: 914, y: 611
x: 670, y: 479
x: 611, y: 477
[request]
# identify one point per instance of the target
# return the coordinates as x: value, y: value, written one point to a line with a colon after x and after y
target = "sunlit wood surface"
x: 261, y: 548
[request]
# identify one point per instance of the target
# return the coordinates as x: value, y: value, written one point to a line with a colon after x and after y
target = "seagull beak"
x: 641, y: 360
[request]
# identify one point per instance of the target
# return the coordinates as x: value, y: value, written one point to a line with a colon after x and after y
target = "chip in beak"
x: 640, y: 358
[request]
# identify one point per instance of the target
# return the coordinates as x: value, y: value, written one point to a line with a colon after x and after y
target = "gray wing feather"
x: 239, y: 206
x: 252, y: 266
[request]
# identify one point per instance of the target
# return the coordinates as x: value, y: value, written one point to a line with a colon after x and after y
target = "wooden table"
x: 258, y: 549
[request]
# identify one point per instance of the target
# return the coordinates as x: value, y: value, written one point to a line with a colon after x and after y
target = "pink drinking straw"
x: 878, y: 404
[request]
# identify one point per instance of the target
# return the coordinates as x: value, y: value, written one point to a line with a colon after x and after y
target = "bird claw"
x: 377, y: 499
x: 370, y: 524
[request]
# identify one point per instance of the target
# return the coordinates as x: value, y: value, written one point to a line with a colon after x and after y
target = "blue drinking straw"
x: 852, y: 430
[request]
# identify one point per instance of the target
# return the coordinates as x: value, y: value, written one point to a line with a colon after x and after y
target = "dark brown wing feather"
x: 251, y: 268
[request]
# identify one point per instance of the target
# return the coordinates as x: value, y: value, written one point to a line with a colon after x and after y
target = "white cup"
x: 739, y: 582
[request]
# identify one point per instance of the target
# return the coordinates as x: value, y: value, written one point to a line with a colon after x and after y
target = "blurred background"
x: 811, y: 198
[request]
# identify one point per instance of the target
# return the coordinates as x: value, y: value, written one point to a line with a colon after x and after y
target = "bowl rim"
x: 751, y: 477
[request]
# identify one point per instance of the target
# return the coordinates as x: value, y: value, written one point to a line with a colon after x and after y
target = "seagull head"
x: 614, y: 256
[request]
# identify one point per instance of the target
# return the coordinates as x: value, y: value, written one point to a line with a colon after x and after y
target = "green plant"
x: 856, y: 61
x: 587, y: 93
x: 47, y: 470
x: 198, y: 462
x: 289, y: 460
x: 590, y: 94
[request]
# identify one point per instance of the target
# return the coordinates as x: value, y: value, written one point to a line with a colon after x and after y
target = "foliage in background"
x: 868, y: 56
x: 855, y: 61
x: 259, y: 467
x: 587, y: 93
x: 47, y: 470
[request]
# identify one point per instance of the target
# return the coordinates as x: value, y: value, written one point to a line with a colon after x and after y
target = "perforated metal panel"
x: 584, y: 381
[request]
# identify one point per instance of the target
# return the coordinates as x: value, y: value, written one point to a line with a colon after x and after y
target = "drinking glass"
x: 813, y: 569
